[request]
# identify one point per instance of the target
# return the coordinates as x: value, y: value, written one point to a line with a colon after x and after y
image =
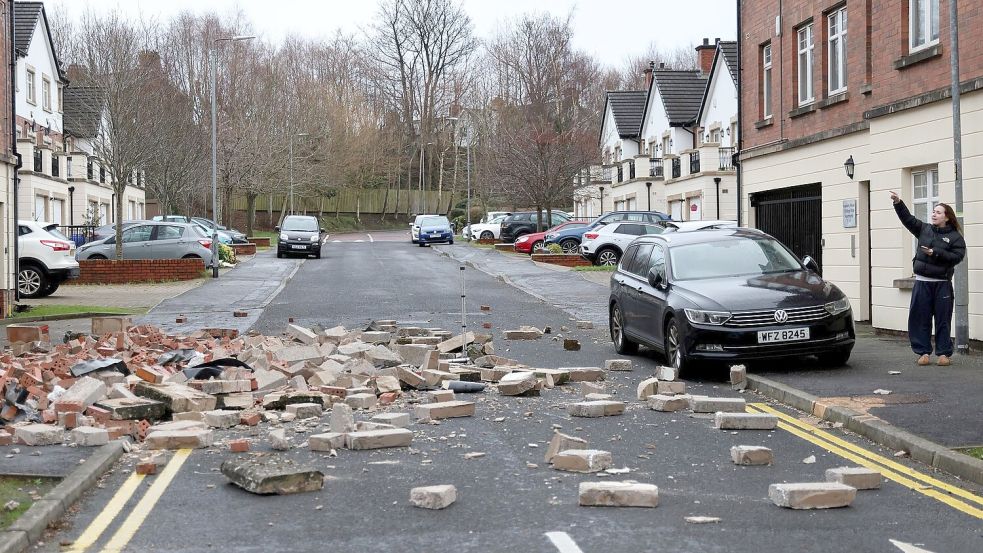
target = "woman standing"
x: 940, y: 248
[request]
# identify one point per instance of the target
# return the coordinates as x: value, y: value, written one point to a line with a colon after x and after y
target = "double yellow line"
x: 132, y: 523
x: 922, y: 483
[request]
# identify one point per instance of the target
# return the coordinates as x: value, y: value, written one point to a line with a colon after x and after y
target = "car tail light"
x: 206, y: 243
x: 57, y: 245
x: 591, y: 235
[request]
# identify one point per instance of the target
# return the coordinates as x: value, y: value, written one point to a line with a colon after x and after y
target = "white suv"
x: 47, y: 258
x: 604, y: 246
x: 492, y: 228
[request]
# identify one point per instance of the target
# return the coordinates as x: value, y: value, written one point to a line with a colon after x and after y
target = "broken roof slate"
x: 681, y: 93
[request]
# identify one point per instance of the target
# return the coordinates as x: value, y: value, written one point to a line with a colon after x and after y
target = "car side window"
x: 640, y: 217
x: 169, y: 232
x: 629, y: 228
x: 639, y: 265
x: 22, y: 230
x: 141, y: 233
x: 652, y: 229
x: 657, y: 262
x: 557, y: 219
x: 627, y: 258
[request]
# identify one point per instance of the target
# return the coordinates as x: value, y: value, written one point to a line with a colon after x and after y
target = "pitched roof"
x: 26, y: 16
x: 83, y: 108
x: 681, y: 93
x: 628, y: 108
x: 729, y: 50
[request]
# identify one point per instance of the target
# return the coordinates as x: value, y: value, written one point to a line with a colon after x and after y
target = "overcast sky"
x: 611, y: 31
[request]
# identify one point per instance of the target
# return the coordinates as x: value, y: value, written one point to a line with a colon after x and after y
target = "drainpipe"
x: 13, y: 146
x: 601, y: 188
x: 71, y: 206
x: 716, y: 181
x: 735, y: 159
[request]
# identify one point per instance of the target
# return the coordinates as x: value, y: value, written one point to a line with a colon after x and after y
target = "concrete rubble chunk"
x: 496, y: 373
x: 585, y: 374
x: 223, y: 386
x: 297, y: 354
x: 585, y: 325
x: 587, y: 388
x: 305, y: 410
x: 489, y: 361
x: 221, y: 418
x: 602, y: 408
x: 519, y: 383
x: 377, y: 439
x: 618, y: 365
x: 280, y: 400
x: 278, y: 439
x: 86, y: 390
x: 362, y: 426
x: 745, y: 421
x: 444, y: 410
x: 178, y: 398
x: 812, y: 495
x: 301, y: 334
x: 271, y: 475
x: 738, y: 377
x: 438, y: 396
x: 106, y: 325
x: 326, y: 441
x: 751, y: 455
x: 456, y: 343
x: 597, y: 397
x: 381, y: 357
x: 399, y: 420
x: 39, y: 434
x: 269, y: 380
x: 376, y: 337
x: 661, y: 402
x: 88, y: 436
x: 433, y: 497
x: 192, y: 438
x: 361, y: 401
x: 342, y: 420
x: 558, y: 376
x: 410, y: 378
x: 704, y: 404
x: 133, y: 409
x: 667, y: 388
x: 646, y: 388
x: 334, y: 335
x: 582, y: 460
x: 861, y: 478
x: 412, y: 354
x: 561, y: 442
x: 524, y: 333
x: 354, y: 349
x: 618, y: 494
x: 667, y: 373
x: 385, y: 384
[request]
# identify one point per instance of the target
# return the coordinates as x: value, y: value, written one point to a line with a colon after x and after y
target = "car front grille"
x: 796, y: 315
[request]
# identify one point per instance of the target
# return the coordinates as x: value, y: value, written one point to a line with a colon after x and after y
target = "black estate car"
x: 728, y: 295
x: 299, y: 234
x: 524, y: 222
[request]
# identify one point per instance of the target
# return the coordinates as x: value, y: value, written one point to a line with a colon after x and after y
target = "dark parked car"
x: 570, y: 239
x: 525, y: 222
x: 728, y: 295
x: 299, y: 234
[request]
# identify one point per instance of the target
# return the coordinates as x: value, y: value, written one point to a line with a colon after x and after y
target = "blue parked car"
x: 570, y: 238
x: 435, y: 228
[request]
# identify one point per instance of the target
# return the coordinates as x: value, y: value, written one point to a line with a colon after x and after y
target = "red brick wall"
x: 108, y: 271
x: 6, y: 87
x: 877, y: 36
x: 566, y: 260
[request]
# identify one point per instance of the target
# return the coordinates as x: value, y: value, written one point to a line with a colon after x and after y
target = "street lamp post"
x: 291, y: 155
x: 212, y: 65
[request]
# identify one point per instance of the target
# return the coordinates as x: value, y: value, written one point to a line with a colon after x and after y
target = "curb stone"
x: 874, y: 429
x: 30, y: 526
x: 65, y: 317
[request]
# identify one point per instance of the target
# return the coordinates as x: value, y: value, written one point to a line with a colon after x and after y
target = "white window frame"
x: 836, y: 50
x: 766, y: 59
x: 923, y: 14
x: 61, y: 98
x: 45, y: 94
x: 929, y: 200
x: 806, y: 61
x: 32, y: 92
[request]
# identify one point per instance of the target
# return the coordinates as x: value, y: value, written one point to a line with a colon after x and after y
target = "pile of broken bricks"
x: 172, y: 392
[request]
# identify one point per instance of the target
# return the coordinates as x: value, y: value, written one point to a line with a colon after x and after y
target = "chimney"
x: 648, y: 75
x: 706, y: 51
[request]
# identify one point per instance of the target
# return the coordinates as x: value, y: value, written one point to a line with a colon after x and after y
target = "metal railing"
x: 694, y: 163
x: 655, y: 167
x: 55, y: 169
x: 727, y: 158
x: 606, y: 174
x: 676, y: 168
x: 621, y: 173
x: 631, y: 170
x: 80, y: 234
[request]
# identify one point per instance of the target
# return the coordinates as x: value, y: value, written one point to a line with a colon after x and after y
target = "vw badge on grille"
x: 781, y: 316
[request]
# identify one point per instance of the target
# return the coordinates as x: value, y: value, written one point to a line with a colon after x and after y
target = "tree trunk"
x: 440, y: 183
x: 269, y: 209
x: 250, y: 212
x: 119, y: 223
x: 283, y: 211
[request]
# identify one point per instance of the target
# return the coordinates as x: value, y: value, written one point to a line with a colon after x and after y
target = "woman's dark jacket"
x: 948, y: 246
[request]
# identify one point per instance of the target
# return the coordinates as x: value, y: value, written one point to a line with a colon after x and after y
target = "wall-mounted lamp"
x: 848, y: 165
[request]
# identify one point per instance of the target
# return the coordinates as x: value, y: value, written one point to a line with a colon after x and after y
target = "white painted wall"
x: 721, y: 102
x: 611, y: 140
x: 41, y: 58
x: 656, y: 121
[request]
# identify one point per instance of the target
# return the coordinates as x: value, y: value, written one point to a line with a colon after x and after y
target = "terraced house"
x: 843, y: 101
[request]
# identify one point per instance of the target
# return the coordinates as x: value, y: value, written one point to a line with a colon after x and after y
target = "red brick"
x: 147, y: 468
x: 239, y: 446
x: 249, y: 419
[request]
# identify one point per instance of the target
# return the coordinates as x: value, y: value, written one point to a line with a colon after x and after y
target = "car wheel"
x: 536, y: 246
x: 421, y: 244
x: 834, y: 358
x: 97, y: 256
x: 608, y: 257
x: 49, y: 289
x: 279, y: 255
x: 317, y: 254
x: 570, y: 246
x: 31, y: 281
x: 675, y: 353
x: 450, y: 243
x: 622, y: 344
x: 487, y: 235
x: 191, y: 256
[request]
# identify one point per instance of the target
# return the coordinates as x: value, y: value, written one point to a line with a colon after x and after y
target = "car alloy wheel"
x: 607, y: 257
x: 570, y: 246
x: 622, y: 344
x: 537, y: 246
x: 487, y: 235
x: 674, y: 350
x: 30, y: 282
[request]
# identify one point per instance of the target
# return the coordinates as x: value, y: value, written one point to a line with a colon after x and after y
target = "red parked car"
x: 530, y: 243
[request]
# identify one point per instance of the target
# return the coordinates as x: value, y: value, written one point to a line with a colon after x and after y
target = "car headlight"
x: 838, y: 306
x: 283, y: 236
x: 314, y: 238
x: 522, y: 239
x: 699, y: 316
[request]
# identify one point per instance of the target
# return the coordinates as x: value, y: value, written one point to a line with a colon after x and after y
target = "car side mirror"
x: 276, y: 229
x: 810, y: 264
x: 320, y: 230
x: 655, y: 278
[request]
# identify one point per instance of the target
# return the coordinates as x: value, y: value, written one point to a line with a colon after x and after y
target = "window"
x: 138, y: 234
x: 46, y: 93
x: 805, y: 65
x: 925, y: 183
x: 837, y: 51
x: 131, y: 211
x: 57, y: 212
x: 168, y: 232
x: 61, y: 98
x: 628, y: 258
x: 640, y: 263
x: 633, y: 229
x: 40, y: 208
x: 31, y: 92
x: 766, y: 82
x: 923, y: 24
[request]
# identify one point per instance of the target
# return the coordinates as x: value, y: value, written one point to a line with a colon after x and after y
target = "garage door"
x: 793, y: 215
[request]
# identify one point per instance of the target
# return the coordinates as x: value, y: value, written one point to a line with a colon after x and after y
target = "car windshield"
x: 301, y: 224
x: 727, y: 258
x: 53, y: 231
x: 435, y: 222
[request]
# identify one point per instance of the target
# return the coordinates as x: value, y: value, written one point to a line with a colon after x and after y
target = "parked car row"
x: 152, y: 240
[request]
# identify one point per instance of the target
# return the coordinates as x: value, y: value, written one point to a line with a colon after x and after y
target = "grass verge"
x: 596, y: 269
x: 56, y: 310
x: 20, y: 493
x: 972, y: 452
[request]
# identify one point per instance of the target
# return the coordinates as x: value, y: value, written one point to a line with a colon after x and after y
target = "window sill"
x: 799, y: 112
x: 904, y: 283
x: 866, y: 89
x: 766, y: 122
x: 837, y: 98
x: 931, y: 52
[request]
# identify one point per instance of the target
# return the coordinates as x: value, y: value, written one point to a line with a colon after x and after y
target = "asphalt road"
x: 505, y: 503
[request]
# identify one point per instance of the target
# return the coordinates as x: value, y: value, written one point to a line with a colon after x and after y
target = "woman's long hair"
x: 950, y: 217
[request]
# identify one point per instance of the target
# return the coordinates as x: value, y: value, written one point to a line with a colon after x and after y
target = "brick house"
x: 7, y: 164
x: 824, y: 82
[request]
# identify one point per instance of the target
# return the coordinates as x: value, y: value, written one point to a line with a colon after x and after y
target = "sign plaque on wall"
x: 850, y: 213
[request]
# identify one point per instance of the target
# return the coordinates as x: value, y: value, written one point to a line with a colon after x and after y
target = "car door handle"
x: 639, y: 289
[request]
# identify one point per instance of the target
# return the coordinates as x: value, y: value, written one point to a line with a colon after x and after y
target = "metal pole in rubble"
x: 962, y: 270
x: 464, y: 313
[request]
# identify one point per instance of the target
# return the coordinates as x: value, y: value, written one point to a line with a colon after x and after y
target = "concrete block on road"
x: 812, y: 495
x: 342, y: 420
x: 361, y: 401
x: 662, y: 402
x: 178, y: 398
x: 668, y: 388
x: 433, y: 497
x: 377, y: 439
x: 137, y: 408
x: 646, y: 388
x: 376, y: 337
x: 302, y: 335
x: 86, y: 390
x: 444, y: 410
x: 398, y: 420
x: 88, y: 436
x: 618, y: 494
x: 861, y: 478
x: 39, y: 434
x: 524, y: 333
x: 585, y: 374
x: 326, y: 441
x: 664, y: 372
x: 751, y: 455
x: 221, y: 418
x: 582, y: 460
x: 179, y: 439
x: 745, y: 421
x: 563, y: 442
x: 738, y: 377
x: 618, y: 365
x: 519, y: 383
x: 305, y: 410
x: 602, y: 408
x: 704, y: 404
x: 271, y: 475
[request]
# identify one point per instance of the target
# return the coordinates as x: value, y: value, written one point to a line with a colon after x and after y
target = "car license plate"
x: 299, y: 247
x: 785, y: 335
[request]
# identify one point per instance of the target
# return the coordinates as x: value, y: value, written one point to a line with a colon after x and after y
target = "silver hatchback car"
x: 153, y: 240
